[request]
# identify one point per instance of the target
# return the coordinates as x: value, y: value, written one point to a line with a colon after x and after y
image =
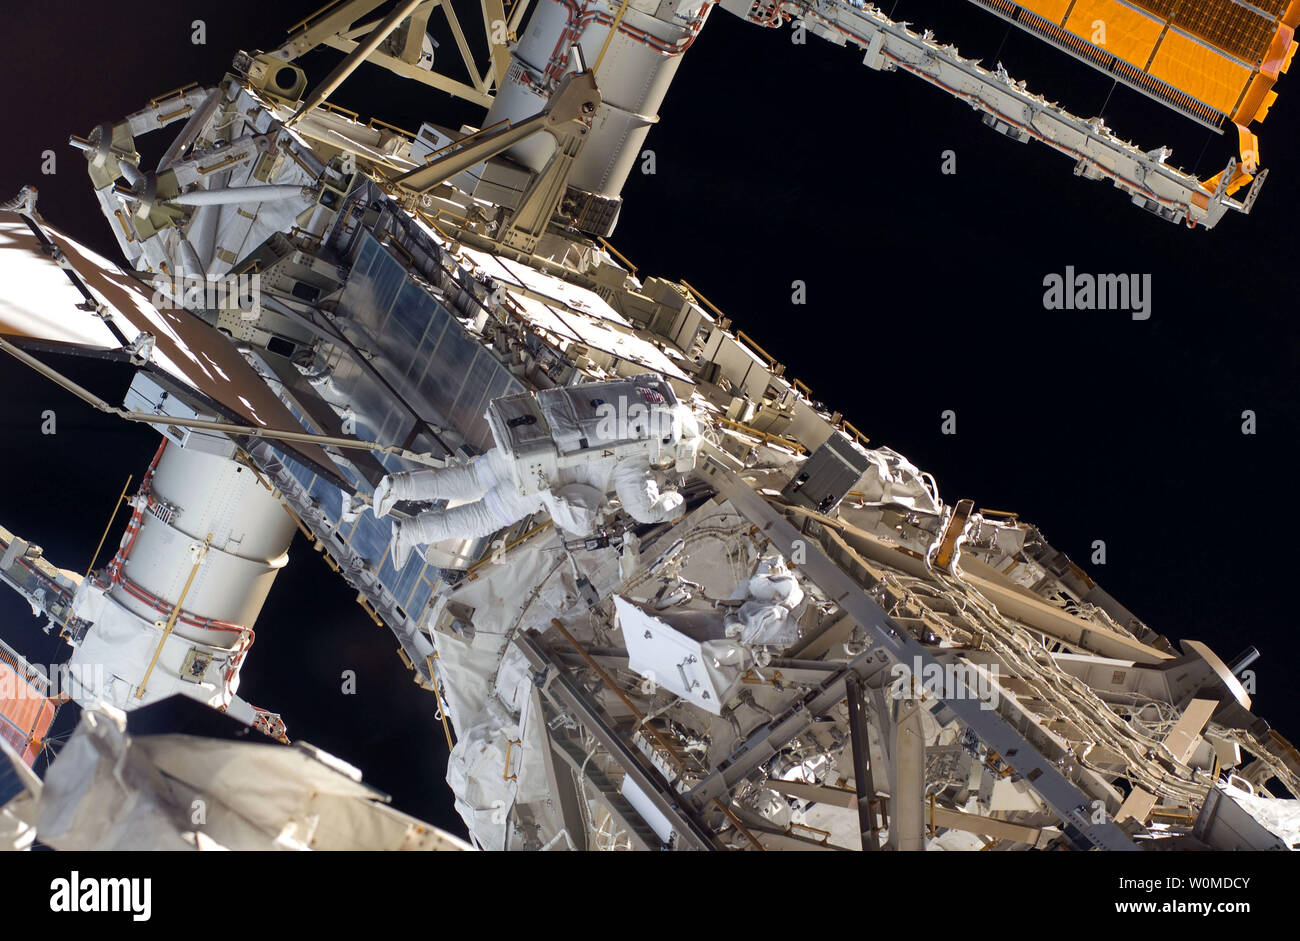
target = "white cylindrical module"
x: 205, y: 534
x: 633, y: 77
x: 194, y: 495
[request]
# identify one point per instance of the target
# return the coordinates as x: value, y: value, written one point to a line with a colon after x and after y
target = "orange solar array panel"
x: 1212, y: 59
x: 1054, y: 10
x: 1204, y: 73
x: 25, y: 714
x: 1120, y: 30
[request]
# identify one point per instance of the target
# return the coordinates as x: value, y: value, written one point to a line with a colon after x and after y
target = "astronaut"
x: 771, y: 602
x: 563, y: 450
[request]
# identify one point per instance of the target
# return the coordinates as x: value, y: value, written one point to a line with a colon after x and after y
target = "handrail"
x: 766, y: 436
x: 169, y: 95
x: 617, y: 254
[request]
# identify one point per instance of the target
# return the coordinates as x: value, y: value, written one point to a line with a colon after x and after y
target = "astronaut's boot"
x: 384, y: 499
x: 406, y: 485
x: 403, y: 541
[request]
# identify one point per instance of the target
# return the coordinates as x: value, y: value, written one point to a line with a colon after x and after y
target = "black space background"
x: 779, y: 162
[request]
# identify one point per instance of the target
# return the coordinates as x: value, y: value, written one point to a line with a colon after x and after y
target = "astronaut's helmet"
x: 676, y: 435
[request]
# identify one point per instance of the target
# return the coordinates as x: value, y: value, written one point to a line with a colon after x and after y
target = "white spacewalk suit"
x: 772, y: 601
x: 564, y: 450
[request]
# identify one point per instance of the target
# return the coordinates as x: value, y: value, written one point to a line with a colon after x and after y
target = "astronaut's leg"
x: 465, y: 482
x: 500, y: 507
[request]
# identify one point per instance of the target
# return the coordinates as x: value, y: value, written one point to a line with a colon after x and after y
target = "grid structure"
x: 1226, y: 24
x: 1209, y: 59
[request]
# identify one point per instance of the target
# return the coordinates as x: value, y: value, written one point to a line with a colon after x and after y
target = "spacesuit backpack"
x: 569, y: 433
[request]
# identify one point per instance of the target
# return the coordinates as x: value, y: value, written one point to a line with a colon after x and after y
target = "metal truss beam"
x: 568, y: 802
x: 899, y: 646
x: 862, y: 777
x: 337, y: 26
x: 558, y: 685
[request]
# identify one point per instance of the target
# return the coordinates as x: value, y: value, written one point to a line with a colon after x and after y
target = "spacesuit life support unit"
x: 563, y: 449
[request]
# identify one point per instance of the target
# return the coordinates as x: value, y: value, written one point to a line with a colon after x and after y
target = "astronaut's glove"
x: 671, y: 505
